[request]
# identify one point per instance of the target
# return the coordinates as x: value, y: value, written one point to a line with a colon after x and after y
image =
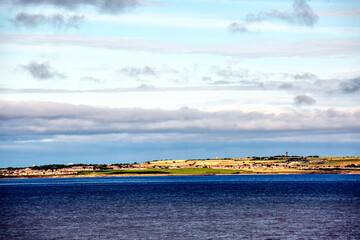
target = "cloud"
x: 350, y: 86
x: 230, y: 79
x: 28, y: 20
x: 145, y: 86
x: 206, y: 78
x: 41, y: 71
x: 58, y: 21
x: 302, y: 14
x: 229, y: 73
x: 44, y: 118
x: 136, y: 72
x: 340, y: 13
x: 243, y: 49
x: 242, y: 79
x: 221, y: 82
x: 102, y: 6
x: 305, y: 76
x: 238, y: 27
x: 304, y: 100
x: 266, y: 80
x: 92, y: 79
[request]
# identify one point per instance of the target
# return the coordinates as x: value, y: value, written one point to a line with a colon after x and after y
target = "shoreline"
x: 278, y: 165
x: 165, y: 175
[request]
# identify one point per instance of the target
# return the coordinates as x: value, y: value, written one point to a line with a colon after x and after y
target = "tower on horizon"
x: 287, y: 154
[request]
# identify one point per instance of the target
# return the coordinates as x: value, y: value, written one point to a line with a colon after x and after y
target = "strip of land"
x: 253, y: 165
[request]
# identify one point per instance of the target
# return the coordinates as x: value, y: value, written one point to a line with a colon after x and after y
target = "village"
x: 49, y: 170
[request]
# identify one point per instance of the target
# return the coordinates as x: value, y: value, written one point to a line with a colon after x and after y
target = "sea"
x: 182, y: 207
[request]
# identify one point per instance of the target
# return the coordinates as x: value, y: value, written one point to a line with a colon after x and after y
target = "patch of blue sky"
x: 41, y: 153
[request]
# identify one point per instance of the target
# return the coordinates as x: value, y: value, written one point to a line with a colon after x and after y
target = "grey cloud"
x: 145, y: 86
x: 91, y: 79
x: 307, y: 81
x: 241, y: 79
x: 135, y: 72
x: 221, y: 83
x: 41, y: 71
x: 238, y: 27
x: 305, y: 76
x: 103, y: 6
x: 286, y: 86
x: 309, y: 85
x: 44, y: 118
x: 29, y: 20
x: 58, y: 21
x: 304, y: 100
x: 350, y: 86
x: 302, y: 14
x: 245, y: 77
x: 206, y: 78
x: 230, y: 73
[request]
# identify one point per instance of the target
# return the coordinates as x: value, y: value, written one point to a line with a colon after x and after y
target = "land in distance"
x: 253, y: 165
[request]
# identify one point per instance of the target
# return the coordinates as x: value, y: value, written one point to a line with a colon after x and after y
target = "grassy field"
x: 185, y: 171
x: 240, y: 161
x: 204, y: 167
x: 209, y: 171
x: 335, y: 163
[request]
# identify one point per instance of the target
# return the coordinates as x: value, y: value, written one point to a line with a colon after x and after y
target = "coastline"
x: 277, y: 165
x: 165, y: 175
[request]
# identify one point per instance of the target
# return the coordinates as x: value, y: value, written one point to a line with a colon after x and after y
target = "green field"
x: 210, y: 171
x: 189, y: 171
x: 186, y: 171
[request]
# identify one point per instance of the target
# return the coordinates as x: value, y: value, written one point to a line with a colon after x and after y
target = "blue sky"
x: 93, y: 81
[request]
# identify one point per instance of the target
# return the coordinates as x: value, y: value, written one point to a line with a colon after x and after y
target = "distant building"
x: 287, y: 154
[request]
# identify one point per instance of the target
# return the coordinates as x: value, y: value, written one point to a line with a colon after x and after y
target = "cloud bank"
x: 44, y: 118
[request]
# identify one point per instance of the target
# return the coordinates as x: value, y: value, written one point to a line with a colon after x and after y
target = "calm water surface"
x: 182, y: 207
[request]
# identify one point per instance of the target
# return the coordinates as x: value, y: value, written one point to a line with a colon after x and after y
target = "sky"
x: 122, y: 81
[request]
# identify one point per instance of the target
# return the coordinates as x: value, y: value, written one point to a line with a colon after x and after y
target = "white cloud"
x: 45, y: 140
x: 161, y: 20
x: 340, y: 13
x: 247, y: 49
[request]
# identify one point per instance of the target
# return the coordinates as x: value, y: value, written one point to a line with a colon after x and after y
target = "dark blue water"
x: 182, y: 207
